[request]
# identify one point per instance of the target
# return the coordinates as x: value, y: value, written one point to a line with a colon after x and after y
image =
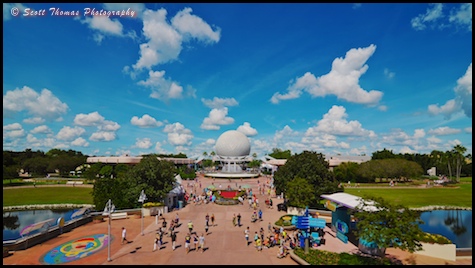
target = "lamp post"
x: 107, y: 211
x: 142, y: 198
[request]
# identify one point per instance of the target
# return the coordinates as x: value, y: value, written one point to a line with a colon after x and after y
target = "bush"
x: 434, y: 239
x: 153, y: 204
x: 323, y: 257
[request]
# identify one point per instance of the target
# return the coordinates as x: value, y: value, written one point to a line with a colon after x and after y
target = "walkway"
x: 225, y: 244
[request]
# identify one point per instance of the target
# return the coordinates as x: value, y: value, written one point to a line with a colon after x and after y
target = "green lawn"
x: 47, y: 195
x: 460, y: 196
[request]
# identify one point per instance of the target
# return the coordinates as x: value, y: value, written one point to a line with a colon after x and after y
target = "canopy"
x: 36, y: 226
x: 349, y: 201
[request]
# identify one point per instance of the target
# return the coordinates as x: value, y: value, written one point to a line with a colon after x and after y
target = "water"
x: 456, y: 225
x: 28, y: 217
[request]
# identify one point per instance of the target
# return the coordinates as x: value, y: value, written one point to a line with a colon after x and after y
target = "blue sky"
x: 348, y: 79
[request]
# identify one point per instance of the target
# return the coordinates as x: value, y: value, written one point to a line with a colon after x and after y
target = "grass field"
x: 460, y: 196
x: 47, y: 195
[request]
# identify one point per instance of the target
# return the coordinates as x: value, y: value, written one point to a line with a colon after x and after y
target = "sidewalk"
x: 225, y: 243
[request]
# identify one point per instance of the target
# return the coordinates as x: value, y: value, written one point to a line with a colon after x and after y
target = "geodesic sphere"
x: 233, y: 143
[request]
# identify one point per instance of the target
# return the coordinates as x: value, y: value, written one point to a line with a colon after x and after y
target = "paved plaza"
x: 224, y: 245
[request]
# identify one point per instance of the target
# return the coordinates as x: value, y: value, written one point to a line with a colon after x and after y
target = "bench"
x: 74, y: 182
x: 119, y: 215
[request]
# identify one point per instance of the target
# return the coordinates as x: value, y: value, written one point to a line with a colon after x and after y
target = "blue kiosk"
x: 340, y: 204
x: 305, y: 223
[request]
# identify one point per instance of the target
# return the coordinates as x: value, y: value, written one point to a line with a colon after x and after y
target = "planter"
x: 445, y: 251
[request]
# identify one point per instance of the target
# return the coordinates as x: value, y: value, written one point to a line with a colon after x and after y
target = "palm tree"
x: 458, y: 152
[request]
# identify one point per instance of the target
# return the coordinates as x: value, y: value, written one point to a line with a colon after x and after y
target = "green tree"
x: 458, y: 154
x: 384, y: 154
x: 312, y: 167
x: 280, y: 154
x: 300, y: 192
x: 347, y: 171
x: 388, y: 225
x: 155, y: 177
x: 10, y: 172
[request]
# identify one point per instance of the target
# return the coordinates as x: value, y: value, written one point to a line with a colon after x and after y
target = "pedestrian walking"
x: 195, y: 242
x: 246, y: 235
x: 269, y: 228
x: 202, y: 243
x: 239, y: 219
x: 206, y: 227
x: 124, y: 236
x: 187, y: 242
x: 173, y: 237
x: 260, y: 214
x: 190, y: 226
x: 207, y: 219
x: 212, y: 219
x: 261, y: 232
x: 155, y: 242
x: 234, y: 220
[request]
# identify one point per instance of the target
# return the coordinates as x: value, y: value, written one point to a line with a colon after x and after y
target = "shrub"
x: 152, y: 204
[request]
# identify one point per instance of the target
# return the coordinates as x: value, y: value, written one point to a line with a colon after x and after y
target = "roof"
x: 349, y: 201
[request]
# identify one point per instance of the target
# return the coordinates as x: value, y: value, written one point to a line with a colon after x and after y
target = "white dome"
x: 233, y: 143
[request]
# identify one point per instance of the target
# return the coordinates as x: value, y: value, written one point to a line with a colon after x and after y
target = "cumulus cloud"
x: 468, y: 130
x: 162, y: 88
x: 43, y: 129
x: 217, y: 118
x: 69, y: 133
x: 165, y: 40
x: 146, y: 121
x: 247, y: 130
x: 102, y: 136
x: 334, y: 122
x: 388, y: 73
x: 144, y: 143
x: 217, y: 103
x: 80, y: 142
x: 462, y: 16
x: 44, y: 104
x: 462, y: 100
x: 33, y: 120
x: 178, y: 134
x: 441, y: 131
x: 285, y: 132
x: 192, y: 26
x: 105, y: 128
x: 342, y: 81
x: 13, y: 131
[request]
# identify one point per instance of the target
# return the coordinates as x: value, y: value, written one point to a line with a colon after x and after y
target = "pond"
x: 15, y: 221
x: 456, y: 225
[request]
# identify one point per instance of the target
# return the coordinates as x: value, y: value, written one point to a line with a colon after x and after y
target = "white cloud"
x: 81, y: 142
x: 462, y: 16
x: 43, y: 129
x: 102, y: 136
x: 144, y: 143
x: 419, y: 133
x: 406, y: 150
x: 342, y: 81
x: 383, y: 108
x: 138, y: 8
x: 286, y: 132
x: 468, y: 130
x: 433, y: 13
x: 146, y: 121
x: 44, y: 104
x: 91, y: 119
x: 159, y: 149
x: 217, y: 118
x: 219, y: 102
x: 178, y: 134
x: 162, y: 88
x: 13, y: 131
x: 247, y: 130
x: 192, y: 26
x: 33, y: 120
x: 69, y: 133
x: 462, y: 100
x: 165, y: 40
x: 441, y: 131
x: 458, y: 17
x: 334, y: 123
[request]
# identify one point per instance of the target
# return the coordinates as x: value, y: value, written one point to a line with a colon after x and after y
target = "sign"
x: 142, y: 197
x: 342, y: 237
x: 331, y: 205
x: 342, y: 226
x: 109, y: 208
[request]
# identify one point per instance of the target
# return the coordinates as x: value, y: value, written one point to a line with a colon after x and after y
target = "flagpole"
x: 109, y: 209
x: 142, y: 198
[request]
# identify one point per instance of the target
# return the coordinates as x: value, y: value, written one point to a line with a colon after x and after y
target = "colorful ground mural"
x: 76, y: 249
